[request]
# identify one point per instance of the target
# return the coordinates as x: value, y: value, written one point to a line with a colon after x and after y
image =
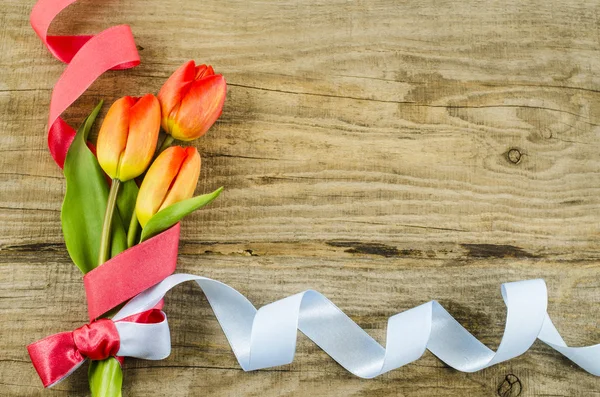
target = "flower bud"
x: 172, y: 177
x: 128, y: 136
x: 191, y: 101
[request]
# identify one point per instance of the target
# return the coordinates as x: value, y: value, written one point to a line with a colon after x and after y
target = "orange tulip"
x: 128, y: 136
x: 172, y: 177
x: 191, y: 101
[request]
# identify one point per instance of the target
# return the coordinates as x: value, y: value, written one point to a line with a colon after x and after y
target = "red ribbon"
x: 87, y: 58
x: 57, y: 356
x: 131, y: 272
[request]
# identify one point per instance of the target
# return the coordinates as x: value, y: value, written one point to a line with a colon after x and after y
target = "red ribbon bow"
x: 118, y: 280
x: 57, y: 356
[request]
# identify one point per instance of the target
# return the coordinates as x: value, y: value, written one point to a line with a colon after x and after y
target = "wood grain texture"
x: 384, y: 153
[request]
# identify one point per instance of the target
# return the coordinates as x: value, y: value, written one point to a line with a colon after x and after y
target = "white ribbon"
x: 267, y: 337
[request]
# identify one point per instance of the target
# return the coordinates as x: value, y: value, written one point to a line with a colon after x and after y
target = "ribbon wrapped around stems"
x: 267, y: 337
x: 131, y: 272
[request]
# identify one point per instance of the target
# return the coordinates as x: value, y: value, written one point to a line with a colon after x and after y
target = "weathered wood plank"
x: 365, y: 147
x: 368, y: 288
x: 406, y: 138
x: 436, y: 187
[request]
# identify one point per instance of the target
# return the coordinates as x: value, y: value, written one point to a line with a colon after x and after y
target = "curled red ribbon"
x: 87, y: 58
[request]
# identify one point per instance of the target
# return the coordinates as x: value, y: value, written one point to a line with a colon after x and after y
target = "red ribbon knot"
x: 98, y: 340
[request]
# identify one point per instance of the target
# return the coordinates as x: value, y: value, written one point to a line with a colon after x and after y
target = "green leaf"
x: 85, y: 200
x: 118, y: 236
x: 126, y: 201
x: 166, y: 218
x: 105, y: 378
x: 126, y: 208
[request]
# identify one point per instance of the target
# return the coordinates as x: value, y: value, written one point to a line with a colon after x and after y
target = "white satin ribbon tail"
x: 267, y: 337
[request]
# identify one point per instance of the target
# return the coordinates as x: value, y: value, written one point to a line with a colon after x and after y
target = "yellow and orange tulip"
x: 191, y: 101
x: 172, y: 177
x: 128, y: 136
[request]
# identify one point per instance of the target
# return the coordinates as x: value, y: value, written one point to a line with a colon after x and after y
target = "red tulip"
x: 191, y: 101
x: 172, y: 177
x: 127, y: 138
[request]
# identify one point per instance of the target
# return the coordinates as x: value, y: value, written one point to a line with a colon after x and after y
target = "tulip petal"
x: 186, y: 180
x: 144, y: 125
x: 172, y: 92
x: 203, y: 71
x: 112, y: 137
x: 157, y: 182
x: 200, y: 108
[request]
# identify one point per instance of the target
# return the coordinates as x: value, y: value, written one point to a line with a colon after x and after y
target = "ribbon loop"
x: 98, y: 340
x: 55, y: 357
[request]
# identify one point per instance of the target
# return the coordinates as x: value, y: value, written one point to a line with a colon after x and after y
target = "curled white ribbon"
x: 267, y: 337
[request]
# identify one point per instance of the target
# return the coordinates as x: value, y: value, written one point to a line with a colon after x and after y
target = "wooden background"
x: 382, y: 152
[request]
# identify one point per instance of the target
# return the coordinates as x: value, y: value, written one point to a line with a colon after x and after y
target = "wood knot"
x: 511, y: 386
x: 514, y: 156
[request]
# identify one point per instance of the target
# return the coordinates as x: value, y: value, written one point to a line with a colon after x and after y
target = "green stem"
x: 105, y: 377
x: 106, y: 226
x: 133, y: 230
x: 166, y: 143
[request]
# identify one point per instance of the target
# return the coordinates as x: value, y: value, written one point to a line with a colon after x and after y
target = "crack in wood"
x: 496, y: 251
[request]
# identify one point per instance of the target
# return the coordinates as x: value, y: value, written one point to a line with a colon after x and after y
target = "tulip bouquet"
x: 125, y: 191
